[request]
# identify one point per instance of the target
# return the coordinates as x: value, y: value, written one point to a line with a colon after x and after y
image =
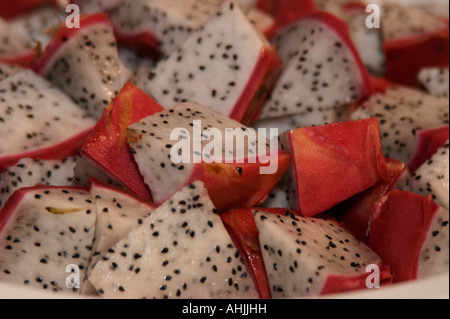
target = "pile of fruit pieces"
x: 359, y: 193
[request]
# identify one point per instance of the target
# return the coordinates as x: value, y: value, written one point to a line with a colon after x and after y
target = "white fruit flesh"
x: 48, y: 230
x: 181, y: 251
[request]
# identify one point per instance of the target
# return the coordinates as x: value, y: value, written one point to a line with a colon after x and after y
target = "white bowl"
x: 433, y: 288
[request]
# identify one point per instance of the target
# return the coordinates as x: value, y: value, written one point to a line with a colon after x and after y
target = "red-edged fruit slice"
x: 356, y: 213
x: 333, y: 163
x: 410, y: 233
x: 107, y: 147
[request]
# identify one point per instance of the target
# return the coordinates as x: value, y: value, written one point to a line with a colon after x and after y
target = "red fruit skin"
x: 95, y: 184
x: 67, y: 148
x: 333, y: 163
x: 240, y: 185
x: 241, y: 226
x: 399, y: 228
x: 18, y: 7
x: 406, y: 57
x: 356, y: 213
x: 430, y: 141
x: 64, y: 35
x: 248, y: 108
x: 108, y: 147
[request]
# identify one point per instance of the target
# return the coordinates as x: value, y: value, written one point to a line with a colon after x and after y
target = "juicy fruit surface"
x: 48, y: 234
x: 402, y: 113
x: 227, y: 56
x: 182, y: 249
x: 320, y: 73
x: 301, y: 253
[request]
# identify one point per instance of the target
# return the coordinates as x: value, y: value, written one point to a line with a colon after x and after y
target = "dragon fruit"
x: 432, y: 178
x: 368, y: 42
x: 429, y: 142
x: 31, y: 172
x: 182, y: 250
x: 402, y: 113
x: 227, y: 45
x: 356, y: 213
x: 106, y: 153
x: 322, y: 72
x: 262, y: 22
x: 43, y: 231
x: 14, y: 49
x: 241, y: 226
x: 118, y: 213
x: 234, y: 172
x: 436, y: 81
x: 410, y: 233
x: 85, y: 169
x: 307, y: 257
x: 38, y: 120
x: 332, y: 163
x: 163, y: 25
x: 413, y: 39
x: 84, y: 63
x: 7, y: 70
x: 39, y: 26
x: 20, y: 7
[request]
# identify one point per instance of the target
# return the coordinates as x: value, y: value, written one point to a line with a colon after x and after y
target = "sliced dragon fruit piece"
x: 332, y: 163
x: 429, y: 142
x: 7, y: 70
x: 432, y: 178
x: 38, y: 121
x: 163, y: 25
x: 436, y: 81
x: 322, y: 72
x: 182, y: 250
x: 227, y: 45
x: 307, y: 257
x: 31, y: 172
x: 233, y: 170
x: 262, y: 22
x: 368, y: 41
x: 43, y: 231
x: 356, y: 213
x: 118, y: 213
x: 84, y: 63
x: 410, y: 233
x: 107, y: 146
x: 403, y: 112
x: 413, y: 39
